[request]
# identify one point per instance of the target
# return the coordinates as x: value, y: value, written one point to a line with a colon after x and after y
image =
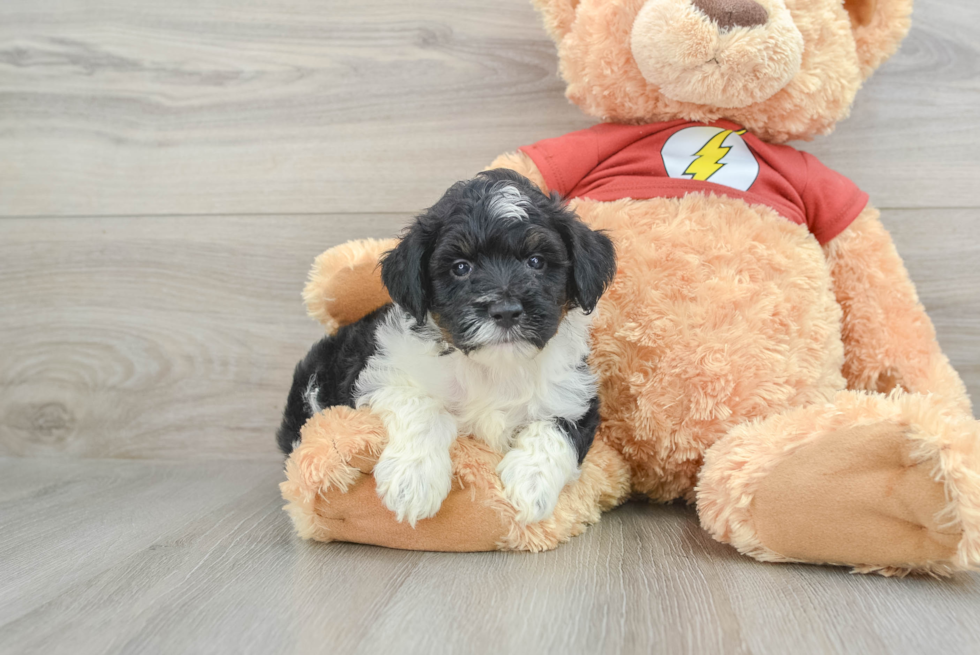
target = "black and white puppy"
x: 488, y: 335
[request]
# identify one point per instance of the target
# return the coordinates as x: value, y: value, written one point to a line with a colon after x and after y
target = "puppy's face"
x: 498, y: 273
x: 496, y: 262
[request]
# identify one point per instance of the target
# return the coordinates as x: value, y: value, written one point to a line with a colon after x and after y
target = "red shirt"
x: 669, y: 160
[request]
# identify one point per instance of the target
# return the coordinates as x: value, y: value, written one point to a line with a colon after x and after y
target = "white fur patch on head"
x: 506, y: 202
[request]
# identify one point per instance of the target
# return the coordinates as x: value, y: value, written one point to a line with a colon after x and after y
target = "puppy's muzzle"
x: 506, y: 314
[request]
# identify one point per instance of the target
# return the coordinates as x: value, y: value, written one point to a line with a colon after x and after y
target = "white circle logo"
x: 710, y: 154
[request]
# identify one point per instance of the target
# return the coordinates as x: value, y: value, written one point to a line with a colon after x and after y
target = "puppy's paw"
x: 532, y: 484
x: 411, y: 486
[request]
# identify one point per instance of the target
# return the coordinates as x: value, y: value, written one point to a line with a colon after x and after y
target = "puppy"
x: 488, y: 335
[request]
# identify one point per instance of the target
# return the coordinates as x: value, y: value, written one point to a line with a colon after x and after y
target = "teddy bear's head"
x: 785, y: 69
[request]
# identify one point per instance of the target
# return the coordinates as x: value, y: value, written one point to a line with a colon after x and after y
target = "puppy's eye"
x: 536, y: 262
x: 461, y: 268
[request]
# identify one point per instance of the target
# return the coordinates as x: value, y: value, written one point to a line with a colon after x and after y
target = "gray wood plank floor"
x: 149, y: 557
x: 167, y: 173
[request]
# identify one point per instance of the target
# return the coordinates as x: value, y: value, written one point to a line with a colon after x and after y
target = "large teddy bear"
x: 762, y: 352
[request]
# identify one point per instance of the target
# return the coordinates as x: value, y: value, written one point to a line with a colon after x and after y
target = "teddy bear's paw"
x: 413, y: 486
x: 336, y: 447
x: 532, y: 483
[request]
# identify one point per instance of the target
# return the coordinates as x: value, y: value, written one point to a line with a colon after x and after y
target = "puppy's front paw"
x: 413, y: 487
x: 531, y: 484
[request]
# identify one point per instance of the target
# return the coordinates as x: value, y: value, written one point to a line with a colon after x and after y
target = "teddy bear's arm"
x: 344, y: 284
x: 519, y: 162
x: 889, y: 340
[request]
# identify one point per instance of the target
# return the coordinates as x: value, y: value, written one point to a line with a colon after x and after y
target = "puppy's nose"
x: 506, y: 313
x: 733, y: 13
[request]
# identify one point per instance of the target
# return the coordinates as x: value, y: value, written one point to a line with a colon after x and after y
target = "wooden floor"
x: 168, y: 170
x: 152, y: 557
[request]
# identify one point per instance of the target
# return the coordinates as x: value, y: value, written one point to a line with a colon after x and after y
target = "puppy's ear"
x: 592, y: 256
x: 404, y: 269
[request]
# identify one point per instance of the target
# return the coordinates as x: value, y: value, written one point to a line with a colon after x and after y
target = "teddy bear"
x: 762, y: 353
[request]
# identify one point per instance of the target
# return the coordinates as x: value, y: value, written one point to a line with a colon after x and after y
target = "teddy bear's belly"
x: 721, y: 312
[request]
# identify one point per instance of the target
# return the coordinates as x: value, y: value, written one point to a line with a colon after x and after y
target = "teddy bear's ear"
x: 879, y: 26
x: 558, y: 16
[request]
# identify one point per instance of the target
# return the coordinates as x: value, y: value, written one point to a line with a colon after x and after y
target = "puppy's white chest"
x: 491, y: 393
x: 496, y: 429
x: 489, y: 407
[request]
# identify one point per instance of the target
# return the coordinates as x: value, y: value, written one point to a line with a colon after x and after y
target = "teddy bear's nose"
x: 733, y: 13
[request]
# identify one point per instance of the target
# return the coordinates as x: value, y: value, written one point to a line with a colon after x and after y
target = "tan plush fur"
x: 340, y: 447
x: 795, y: 393
x: 946, y: 441
x: 611, y: 86
x: 691, y: 60
x: 695, y: 335
x: 884, y: 322
x: 351, y: 274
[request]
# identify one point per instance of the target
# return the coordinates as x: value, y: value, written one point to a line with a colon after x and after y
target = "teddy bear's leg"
x: 345, y: 283
x: 331, y: 493
x: 889, y: 484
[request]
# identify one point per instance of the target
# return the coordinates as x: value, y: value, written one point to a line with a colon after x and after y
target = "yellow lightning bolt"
x: 709, y: 155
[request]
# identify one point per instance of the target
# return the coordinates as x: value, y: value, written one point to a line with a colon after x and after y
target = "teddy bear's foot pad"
x: 856, y: 496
